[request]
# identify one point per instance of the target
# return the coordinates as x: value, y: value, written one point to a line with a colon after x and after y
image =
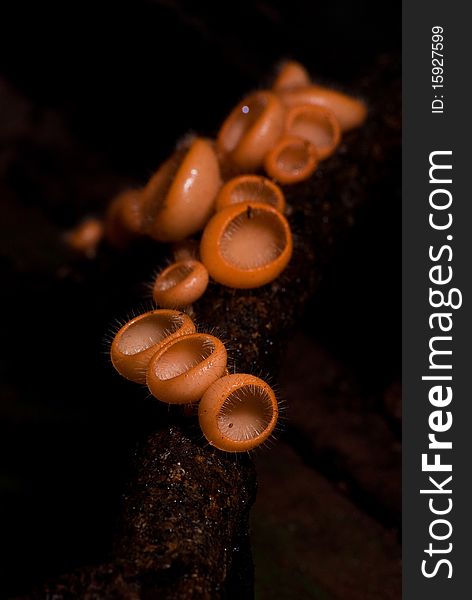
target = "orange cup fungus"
x: 291, y: 160
x: 124, y: 217
x: 316, y: 124
x: 137, y: 341
x: 251, y: 129
x: 250, y: 188
x: 350, y: 112
x: 246, y: 245
x: 238, y: 412
x: 180, y: 284
x: 86, y: 236
x: 291, y: 75
x: 182, y: 370
x: 179, y: 199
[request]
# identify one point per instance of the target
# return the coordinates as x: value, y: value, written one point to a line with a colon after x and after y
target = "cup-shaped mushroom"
x: 349, y: 111
x: 180, y: 284
x: 238, y: 413
x: 291, y: 75
x: 86, y: 237
x: 246, y: 245
x: 136, y: 342
x: 124, y: 217
x: 182, y: 371
x: 179, y: 198
x: 250, y: 188
x: 251, y: 129
x: 291, y: 160
x: 316, y: 124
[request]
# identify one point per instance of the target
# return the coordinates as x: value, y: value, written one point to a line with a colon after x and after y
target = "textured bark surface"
x: 185, y: 520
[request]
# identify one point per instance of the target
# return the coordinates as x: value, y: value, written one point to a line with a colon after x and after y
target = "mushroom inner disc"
x: 245, y: 413
x: 247, y: 115
x: 148, y: 331
x: 253, y: 239
x: 183, y: 356
x: 174, y: 276
x: 313, y: 126
x: 293, y: 157
x: 253, y: 190
x: 162, y: 181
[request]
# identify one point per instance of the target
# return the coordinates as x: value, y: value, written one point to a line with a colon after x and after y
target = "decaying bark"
x: 183, y: 530
x: 184, y: 526
x: 185, y: 516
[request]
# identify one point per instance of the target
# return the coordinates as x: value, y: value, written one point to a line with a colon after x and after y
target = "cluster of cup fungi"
x: 217, y: 187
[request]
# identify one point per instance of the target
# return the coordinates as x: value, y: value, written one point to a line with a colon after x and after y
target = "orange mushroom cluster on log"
x: 162, y: 349
x: 286, y: 131
x: 246, y: 243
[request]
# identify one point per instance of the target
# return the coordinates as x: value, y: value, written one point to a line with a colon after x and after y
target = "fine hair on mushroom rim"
x: 174, y: 274
x: 246, y: 413
x: 238, y: 413
x: 138, y: 340
x: 182, y: 356
x: 183, y: 369
x: 180, y: 284
x: 149, y: 330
